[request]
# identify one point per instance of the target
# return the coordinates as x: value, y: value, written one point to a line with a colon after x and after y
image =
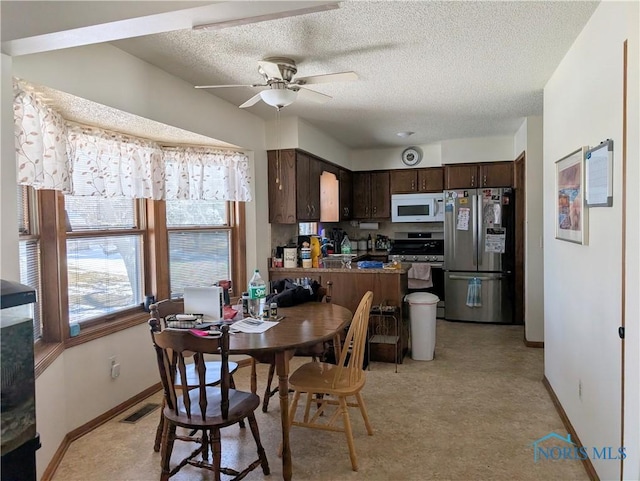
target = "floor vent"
x: 140, y: 413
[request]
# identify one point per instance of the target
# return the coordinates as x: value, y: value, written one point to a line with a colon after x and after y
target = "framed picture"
x: 571, y: 215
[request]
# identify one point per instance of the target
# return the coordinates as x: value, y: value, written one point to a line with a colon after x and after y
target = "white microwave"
x: 417, y: 207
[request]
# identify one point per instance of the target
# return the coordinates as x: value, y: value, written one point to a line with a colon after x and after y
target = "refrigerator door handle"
x: 479, y: 227
x: 468, y: 278
x: 474, y: 233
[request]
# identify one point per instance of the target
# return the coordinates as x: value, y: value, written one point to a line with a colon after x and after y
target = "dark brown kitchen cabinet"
x: 371, y: 195
x: 281, y: 174
x: 490, y: 174
x: 346, y: 205
x: 409, y: 181
x: 308, y: 171
x: 496, y: 174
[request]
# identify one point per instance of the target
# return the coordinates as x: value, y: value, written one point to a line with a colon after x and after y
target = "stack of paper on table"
x: 251, y: 325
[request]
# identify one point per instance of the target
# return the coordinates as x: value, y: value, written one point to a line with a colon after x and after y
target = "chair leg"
x: 232, y: 385
x: 168, y: 438
x: 267, y: 391
x: 254, y: 377
x: 159, y: 429
x: 217, y: 453
x: 348, y: 432
x: 256, y: 435
x: 363, y: 411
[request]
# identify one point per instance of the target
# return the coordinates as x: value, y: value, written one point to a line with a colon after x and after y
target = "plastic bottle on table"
x: 257, y: 292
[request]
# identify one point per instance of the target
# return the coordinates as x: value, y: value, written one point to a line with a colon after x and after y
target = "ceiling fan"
x: 278, y: 73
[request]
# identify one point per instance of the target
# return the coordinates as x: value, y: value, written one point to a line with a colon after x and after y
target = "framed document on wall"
x: 599, y: 175
x: 571, y: 216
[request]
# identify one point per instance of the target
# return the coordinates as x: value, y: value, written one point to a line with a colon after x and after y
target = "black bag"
x: 290, y: 294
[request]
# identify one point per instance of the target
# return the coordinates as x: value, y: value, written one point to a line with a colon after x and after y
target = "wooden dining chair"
x: 315, y: 352
x: 159, y: 311
x: 332, y: 384
x: 202, y: 407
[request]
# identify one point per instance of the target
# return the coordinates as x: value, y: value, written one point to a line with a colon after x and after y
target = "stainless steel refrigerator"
x: 479, y: 255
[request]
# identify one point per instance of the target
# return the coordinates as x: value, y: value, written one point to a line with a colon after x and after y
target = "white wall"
x: 480, y: 149
x: 380, y: 159
x: 317, y: 142
x: 529, y: 139
x: 9, y: 267
x: 582, y: 283
x: 484, y: 149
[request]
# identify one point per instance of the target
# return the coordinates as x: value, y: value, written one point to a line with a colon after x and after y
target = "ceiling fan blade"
x: 270, y: 69
x: 230, y: 85
x: 314, y: 96
x: 330, y: 77
x: 252, y: 101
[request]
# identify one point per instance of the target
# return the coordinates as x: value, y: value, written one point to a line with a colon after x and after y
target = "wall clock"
x: 411, y: 156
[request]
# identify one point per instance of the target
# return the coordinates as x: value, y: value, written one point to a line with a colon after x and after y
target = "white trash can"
x: 422, y: 316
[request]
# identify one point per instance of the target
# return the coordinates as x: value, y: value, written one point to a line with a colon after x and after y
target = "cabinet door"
x: 361, y: 195
x: 404, y: 181
x: 461, y: 176
x: 308, y: 171
x: 380, y: 196
x: 431, y: 180
x: 282, y: 187
x: 346, y: 207
x: 496, y: 174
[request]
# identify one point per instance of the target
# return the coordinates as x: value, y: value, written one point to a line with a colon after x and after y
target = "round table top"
x: 303, y: 325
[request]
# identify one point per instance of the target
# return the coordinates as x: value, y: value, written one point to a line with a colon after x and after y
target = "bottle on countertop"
x: 369, y: 243
x: 345, y: 245
x: 257, y: 294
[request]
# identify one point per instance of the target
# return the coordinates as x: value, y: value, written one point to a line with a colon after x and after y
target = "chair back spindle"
x: 354, y: 343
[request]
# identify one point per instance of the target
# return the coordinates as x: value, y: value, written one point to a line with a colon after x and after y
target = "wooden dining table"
x: 303, y: 325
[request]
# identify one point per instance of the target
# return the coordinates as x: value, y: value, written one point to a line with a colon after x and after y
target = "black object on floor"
x: 140, y: 413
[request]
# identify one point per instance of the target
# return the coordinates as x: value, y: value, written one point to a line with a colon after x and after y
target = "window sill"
x: 99, y: 330
x: 47, y: 352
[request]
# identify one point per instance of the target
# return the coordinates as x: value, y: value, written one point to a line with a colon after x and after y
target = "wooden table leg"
x: 337, y: 348
x: 282, y: 369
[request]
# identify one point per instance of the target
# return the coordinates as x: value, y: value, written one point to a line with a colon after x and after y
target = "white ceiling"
x: 441, y: 69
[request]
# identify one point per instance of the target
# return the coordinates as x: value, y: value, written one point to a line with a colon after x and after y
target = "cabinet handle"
x: 484, y: 180
x: 473, y: 181
x: 375, y: 210
x: 424, y: 185
x: 413, y: 185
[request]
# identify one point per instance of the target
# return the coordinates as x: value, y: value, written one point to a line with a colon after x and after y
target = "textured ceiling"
x: 441, y: 69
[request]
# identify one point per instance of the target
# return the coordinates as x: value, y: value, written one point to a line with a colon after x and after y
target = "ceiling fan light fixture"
x: 278, y: 97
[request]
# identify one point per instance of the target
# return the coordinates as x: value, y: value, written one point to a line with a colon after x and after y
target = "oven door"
x: 437, y: 278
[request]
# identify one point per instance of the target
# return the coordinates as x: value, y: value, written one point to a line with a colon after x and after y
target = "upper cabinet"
x: 371, y: 195
x: 490, y: 174
x: 281, y: 173
x: 295, y: 189
x: 308, y: 170
x: 408, y: 181
x: 346, y: 206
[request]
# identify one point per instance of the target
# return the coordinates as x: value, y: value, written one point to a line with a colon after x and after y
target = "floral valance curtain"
x: 41, y: 143
x: 114, y: 165
x: 54, y: 154
x: 196, y: 173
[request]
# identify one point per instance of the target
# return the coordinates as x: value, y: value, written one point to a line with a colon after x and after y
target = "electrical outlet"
x: 115, y: 371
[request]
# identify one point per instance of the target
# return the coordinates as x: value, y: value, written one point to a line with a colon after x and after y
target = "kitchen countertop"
x: 353, y: 269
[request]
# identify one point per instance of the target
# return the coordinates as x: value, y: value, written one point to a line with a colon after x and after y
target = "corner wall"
x: 583, y: 105
x: 529, y: 139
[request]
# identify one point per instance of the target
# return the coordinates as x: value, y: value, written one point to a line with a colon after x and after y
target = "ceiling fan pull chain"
x: 278, y: 152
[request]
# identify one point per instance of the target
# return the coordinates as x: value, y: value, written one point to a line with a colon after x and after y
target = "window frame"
x: 49, y: 213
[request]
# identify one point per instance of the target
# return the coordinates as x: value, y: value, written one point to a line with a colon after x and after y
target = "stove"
x: 427, y: 247
x: 419, y: 247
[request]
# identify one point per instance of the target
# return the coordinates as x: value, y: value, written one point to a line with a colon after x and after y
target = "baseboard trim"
x: 588, y: 467
x: 91, y: 425
x: 537, y: 344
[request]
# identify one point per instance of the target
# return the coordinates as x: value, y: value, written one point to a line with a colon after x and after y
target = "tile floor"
x: 470, y: 414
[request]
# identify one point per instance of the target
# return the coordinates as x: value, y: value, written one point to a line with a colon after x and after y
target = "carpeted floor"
x: 470, y: 414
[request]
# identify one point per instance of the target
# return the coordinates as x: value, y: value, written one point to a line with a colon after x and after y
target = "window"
x: 29, y: 253
x: 104, y: 256
x: 199, y: 243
